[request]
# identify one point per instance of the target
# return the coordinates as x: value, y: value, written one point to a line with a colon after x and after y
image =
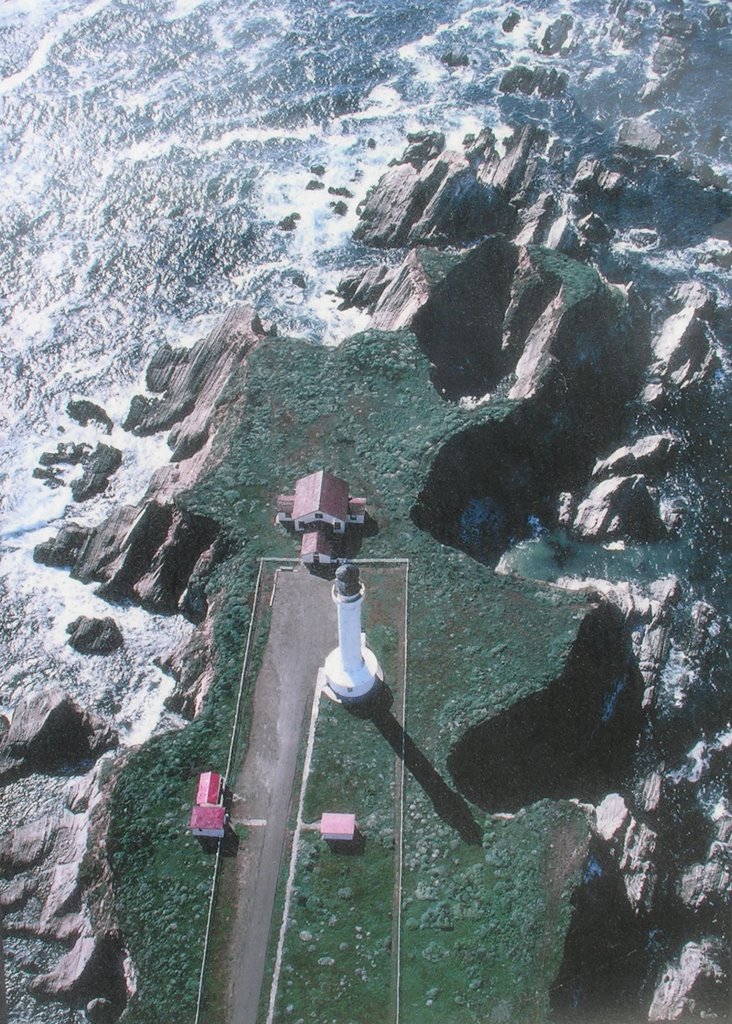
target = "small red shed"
x: 208, y: 821
x: 338, y: 827
x: 209, y: 788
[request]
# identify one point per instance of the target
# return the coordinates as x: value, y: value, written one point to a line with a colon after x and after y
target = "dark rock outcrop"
x: 546, y: 82
x: 694, y: 985
x: 363, y: 290
x: 85, y: 412
x: 48, y: 730
x: 94, y: 965
x: 64, y: 549
x: 94, y: 636
x: 556, y: 35
x: 99, y: 466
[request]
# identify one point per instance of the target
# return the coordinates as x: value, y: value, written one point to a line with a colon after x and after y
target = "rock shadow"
x: 573, y: 739
x: 450, y: 805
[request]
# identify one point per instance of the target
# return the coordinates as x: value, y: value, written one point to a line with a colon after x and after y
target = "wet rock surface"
x: 94, y: 636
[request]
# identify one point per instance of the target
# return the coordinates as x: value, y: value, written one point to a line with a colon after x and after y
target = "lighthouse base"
x: 356, y: 684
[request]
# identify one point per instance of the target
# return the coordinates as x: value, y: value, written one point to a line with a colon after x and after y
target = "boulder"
x: 85, y: 412
x: 423, y: 147
x: 640, y: 136
x: 620, y: 507
x: 556, y: 35
x: 67, y: 453
x: 545, y: 82
x: 101, y: 1011
x: 65, y: 548
x: 48, y: 729
x: 94, y: 636
x: 684, y: 350
x: 650, y: 456
x: 692, y: 986
x: 99, y: 466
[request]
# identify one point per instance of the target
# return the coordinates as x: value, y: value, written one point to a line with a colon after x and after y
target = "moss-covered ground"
x: 367, y: 412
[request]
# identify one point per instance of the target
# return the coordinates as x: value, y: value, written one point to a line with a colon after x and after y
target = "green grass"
x: 368, y: 412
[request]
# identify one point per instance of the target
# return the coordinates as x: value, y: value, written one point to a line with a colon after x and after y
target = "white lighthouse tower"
x: 351, y: 670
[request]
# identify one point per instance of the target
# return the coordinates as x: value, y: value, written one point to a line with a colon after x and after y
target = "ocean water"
x: 150, y: 148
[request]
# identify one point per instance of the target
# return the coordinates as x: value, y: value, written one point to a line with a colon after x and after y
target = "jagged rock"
x: 98, y: 465
x: 619, y: 507
x: 27, y: 844
x: 695, y: 295
x: 684, y: 350
x: 154, y: 558
x: 693, y: 985
x: 15, y: 893
x: 363, y: 290
x: 556, y: 35
x: 637, y: 865
x: 423, y: 147
x: 639, y: 135
x: 649, y: 455
x: 64, y: 549
x: 163, y: 366
x: 92, y: 968
x: 535, y: 220
x: 441, y: 203
x: 85, y: 412
x: 192, y: 666
x: 193, y: 385
x: 593, y: 179
x: 547, y: 82
x: 669, y: 58
x: 340, y: 208
x: 49, y: 729
x: 649, y: 792
x: 67, y: 453
x: 340, y: 190
x: 515, y: 172
x: 314, y: 185
x: 94, y: 636
x: 594, y: 228
x: 563, y: 237
x: 611, y: 817
x: 710, y: 884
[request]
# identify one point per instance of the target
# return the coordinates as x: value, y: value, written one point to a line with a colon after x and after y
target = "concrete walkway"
x: 302, y: 631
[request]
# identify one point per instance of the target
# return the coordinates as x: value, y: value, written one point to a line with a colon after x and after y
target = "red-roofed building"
x: 320, y: 498
x: 316, y: 548
x: 209, y: 788
x: 208, y: 821
x: 338, y: 827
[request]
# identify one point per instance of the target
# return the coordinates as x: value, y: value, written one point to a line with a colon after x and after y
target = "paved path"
x: 302, y: 631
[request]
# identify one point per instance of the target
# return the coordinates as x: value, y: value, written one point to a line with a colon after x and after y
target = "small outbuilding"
x: 316, y: 548
x: 210, y: 788
x: 208, y: 821
x: 338, y: 828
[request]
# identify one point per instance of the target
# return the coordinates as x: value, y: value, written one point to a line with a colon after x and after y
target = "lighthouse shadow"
x: 450, y: 806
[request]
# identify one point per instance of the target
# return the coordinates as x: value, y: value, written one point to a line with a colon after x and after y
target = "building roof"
x: 321, y: 492
x: 285, y: 502
x: 208, y: 817
x: 338, y: 826
x: 315, y: 542
x: 357, y: 505
x: 209, y: 788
